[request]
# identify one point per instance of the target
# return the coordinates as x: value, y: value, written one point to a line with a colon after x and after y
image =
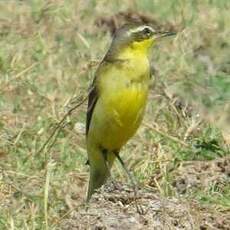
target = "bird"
x: 117, y: 98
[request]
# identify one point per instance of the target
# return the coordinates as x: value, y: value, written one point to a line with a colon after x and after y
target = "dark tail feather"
x: 99, y: 172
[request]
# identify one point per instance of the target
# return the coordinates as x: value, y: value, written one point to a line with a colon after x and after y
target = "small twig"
x: 25, y: 70
x: 12, y: 184
x: 18, y: 75
x: 166, y: 135
x: 191, y: 128
x: 83, y: 39
x: 58, y: 222
x: 50, y: 166
x: 60, y: 125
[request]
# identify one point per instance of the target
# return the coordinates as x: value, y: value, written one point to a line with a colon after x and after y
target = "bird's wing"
x: 92, y: 100
x: 94, y: 91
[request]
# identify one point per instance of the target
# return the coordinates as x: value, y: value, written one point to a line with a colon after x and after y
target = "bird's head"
x: 136, y: 38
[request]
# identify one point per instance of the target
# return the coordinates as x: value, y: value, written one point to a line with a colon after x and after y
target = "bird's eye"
x: 146, y: 31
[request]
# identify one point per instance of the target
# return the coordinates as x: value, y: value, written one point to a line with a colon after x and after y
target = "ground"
x: 114, y: 206
x: 179, y: 156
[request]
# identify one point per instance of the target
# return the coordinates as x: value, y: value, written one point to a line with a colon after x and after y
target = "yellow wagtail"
x: 117, y: 98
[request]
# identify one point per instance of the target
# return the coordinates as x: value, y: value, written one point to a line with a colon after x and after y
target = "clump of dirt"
x: 202, y: 174
x: 113, y: 22
x: 115, y: 208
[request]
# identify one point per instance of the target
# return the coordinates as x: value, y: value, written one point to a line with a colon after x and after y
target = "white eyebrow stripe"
x: 138, y: 29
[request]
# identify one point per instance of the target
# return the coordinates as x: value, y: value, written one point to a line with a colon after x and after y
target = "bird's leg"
x: 132, y: 180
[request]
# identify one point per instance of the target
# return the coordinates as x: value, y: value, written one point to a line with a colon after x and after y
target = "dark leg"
x: 126, y: 171
x: 131, y: 178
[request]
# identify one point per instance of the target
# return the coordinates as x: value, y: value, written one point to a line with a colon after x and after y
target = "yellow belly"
x: 117, y: 116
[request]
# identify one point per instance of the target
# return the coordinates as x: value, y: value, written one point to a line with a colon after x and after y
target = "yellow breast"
x: 127, y: 105
x: 123, y: 90
x: 123, y: 114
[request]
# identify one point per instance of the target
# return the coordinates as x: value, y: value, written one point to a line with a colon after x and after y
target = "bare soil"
x: 114, y: 206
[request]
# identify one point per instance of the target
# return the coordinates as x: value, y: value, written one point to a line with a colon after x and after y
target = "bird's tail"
x: 100, y: 165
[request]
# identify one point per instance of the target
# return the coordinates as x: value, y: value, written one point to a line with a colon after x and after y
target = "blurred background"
x: 49, y: 53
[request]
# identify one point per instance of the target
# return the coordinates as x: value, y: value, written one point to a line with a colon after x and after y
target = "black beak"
x: 164, y: 34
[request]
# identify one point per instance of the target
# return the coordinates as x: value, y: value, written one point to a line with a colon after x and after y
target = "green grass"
x: 49, y: 52
x: 215, y: 197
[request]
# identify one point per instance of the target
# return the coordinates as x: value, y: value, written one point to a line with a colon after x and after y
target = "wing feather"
x: 92, y: 100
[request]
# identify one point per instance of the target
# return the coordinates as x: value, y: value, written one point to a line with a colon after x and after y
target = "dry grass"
x: 49, y: 52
